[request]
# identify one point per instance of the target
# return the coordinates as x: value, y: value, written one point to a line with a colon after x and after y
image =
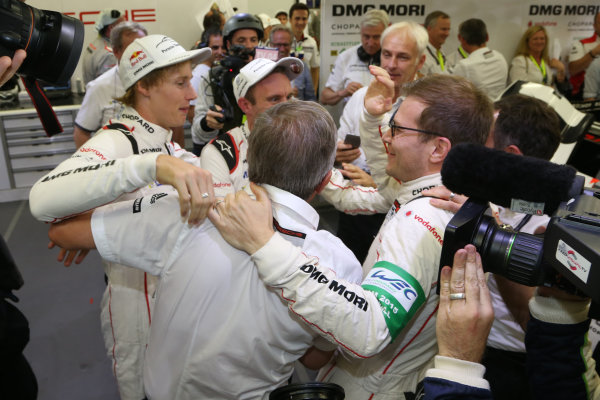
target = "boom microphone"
x: 504, y: 178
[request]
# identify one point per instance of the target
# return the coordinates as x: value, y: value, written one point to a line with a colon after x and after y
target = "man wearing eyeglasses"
x: 386, y: 325
x: 302, y: 87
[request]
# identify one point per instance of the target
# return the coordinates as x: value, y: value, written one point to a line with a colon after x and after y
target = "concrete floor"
x: 66, y: 350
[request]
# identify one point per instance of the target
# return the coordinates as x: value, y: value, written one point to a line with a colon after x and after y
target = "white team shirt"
x: 348, y: 68
x: 432, y: 64
x: 306, y: 49
x: 99, y: 104
x: 487, y: 69
x: 217, y: 332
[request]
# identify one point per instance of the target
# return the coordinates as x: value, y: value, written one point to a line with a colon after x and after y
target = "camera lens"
x: 513, y: 255
x: 53, y: 41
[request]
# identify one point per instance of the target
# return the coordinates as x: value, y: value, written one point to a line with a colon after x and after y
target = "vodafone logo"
x: 136, y: 57
x: 408, y: 213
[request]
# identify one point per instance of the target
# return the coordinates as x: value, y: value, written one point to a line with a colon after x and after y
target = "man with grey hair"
x: 99, y: 104
x: 437, y: 24
x: 351, y: 69
x: 402, y: 55
x: 217, y: 331
x: 281, y: 38
x: 261, y: 84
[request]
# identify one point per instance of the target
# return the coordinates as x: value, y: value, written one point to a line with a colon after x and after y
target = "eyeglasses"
x: 397, y: 130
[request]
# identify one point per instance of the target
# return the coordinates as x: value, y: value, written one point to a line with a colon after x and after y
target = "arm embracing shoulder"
x: 97, y: 173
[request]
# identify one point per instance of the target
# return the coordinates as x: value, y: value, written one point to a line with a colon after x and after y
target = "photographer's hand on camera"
x: 357, y: 175
x: 8, y: 66
x: 213, y: 118
x: 463, y: 324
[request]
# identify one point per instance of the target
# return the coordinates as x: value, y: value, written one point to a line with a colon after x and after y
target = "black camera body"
x: 564, y: 256
x: 221, y: 82
x: 53, y: 41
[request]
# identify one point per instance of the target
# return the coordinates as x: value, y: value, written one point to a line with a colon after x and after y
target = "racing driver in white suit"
x: 387, y: 325
x: 125, y: 155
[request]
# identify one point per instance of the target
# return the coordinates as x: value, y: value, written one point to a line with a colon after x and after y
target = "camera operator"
x: 9, y: 67
x: 559, y: 363
x: 524, y: 126
x: 216, y: 110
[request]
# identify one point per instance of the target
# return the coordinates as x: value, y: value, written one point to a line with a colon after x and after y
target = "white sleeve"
x: 212, y: 161
x: 518, y: 69
x: 335, y: 81
x: 461, y: 371
x: 89, y: 116
x: 203, y: 102
x: 143, y: 233
x: 315, y: 60
x: 342, y: 312
x: 371, y: 133
x: 577, y: 51
x: 97, y: 173
x: 353, y: 199
x: 591, y: 87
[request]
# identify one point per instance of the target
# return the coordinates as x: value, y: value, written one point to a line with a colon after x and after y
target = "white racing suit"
x: 396, y: 302
x: 117, y: 160
x: 225, y: 158
x: 353, y: 199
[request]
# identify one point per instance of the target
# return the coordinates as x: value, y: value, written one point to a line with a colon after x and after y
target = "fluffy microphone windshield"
x: 499, y: 177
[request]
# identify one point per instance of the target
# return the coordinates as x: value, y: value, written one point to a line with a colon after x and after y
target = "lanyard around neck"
x: 462, y: 52
x: 542, y: 68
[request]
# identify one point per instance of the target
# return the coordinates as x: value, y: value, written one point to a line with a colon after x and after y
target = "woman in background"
x: 532, y: 63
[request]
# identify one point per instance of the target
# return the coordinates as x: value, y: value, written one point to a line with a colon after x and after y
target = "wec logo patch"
x: 399, y: 294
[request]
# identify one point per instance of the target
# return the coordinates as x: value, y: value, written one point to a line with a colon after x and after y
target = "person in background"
x: 351, y: 69
x: 583, y: 52
x: 437, y: 24
x: 304, y: 47
x: 591, y: 88
x: 486, y: 68
x: 98, y: 56
x: 213, y: 39
x: 241, y: 31
x: 99, y: 103
x: 532, y: 62
x: 302, y: 86
x: 282, y: 17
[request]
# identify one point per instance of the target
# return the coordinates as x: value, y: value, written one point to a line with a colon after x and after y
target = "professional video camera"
x: 565, y: 256
x: 221, y: 81
x: 53, y: 43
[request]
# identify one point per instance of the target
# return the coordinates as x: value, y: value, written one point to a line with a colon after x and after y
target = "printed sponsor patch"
x: 398, y: 292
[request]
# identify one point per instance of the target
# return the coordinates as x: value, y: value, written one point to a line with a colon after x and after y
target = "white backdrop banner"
x: 565, y: 20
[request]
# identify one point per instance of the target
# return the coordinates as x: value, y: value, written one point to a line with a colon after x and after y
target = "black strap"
x: 43, y: 107
x: 226, y: 146
x: 523, y: 222
x: 125, y: 131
